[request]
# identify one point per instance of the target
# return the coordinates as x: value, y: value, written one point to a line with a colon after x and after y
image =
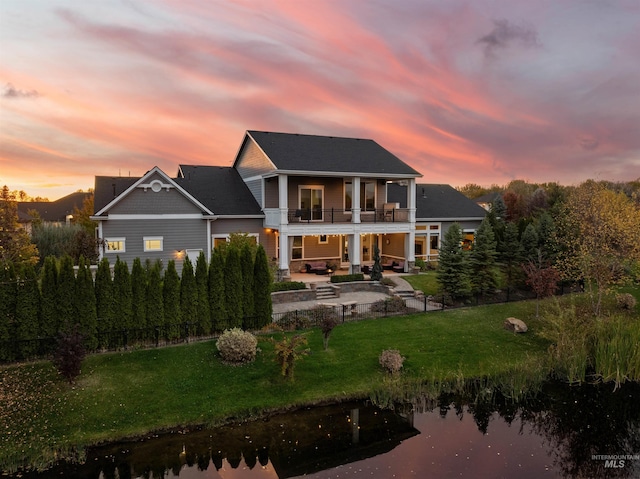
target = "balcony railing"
x: 335, y: 215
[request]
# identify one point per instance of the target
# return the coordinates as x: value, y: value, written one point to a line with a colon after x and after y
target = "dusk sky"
x: 465, y: 91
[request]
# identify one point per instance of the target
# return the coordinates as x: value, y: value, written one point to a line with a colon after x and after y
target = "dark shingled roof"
x: 293, y: 152
x: 436, y: 201
x: 219, y: 188
x: 52, y: 211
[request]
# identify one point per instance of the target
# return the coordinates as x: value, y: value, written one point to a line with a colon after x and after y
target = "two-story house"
x: 305, y: 198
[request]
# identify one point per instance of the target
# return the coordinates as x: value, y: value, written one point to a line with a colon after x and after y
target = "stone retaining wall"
x: 280, y: 297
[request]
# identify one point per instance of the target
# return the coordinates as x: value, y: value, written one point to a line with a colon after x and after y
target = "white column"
x: 283, y: 199
x: 354, y: 252
x: 411, y: 201
x: 355, y: 203
x: 285, y: 254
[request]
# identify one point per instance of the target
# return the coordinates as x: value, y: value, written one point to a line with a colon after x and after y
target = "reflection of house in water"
x: 297, y: 443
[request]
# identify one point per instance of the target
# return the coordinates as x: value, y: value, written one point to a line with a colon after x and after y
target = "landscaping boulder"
x: 515, y: 325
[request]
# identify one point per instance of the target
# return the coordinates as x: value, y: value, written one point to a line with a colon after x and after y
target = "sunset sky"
x: 465, y: 91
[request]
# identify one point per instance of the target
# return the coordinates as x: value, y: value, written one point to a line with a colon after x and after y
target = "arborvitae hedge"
x: 7, y: 309
x: 122, y: 312
x: 171, y: 298
x: 217, y: 298
x: 262, y: 289
x: 203, y: 313
x: 104, y: 297
x: 49, y: 324
x: 66, y: 293
x: 233, y: 287
x: 247, y: 267
x: 188, y: 293
x: 138, y: 295
x: 85, y: 305
x: 155, y: 303
x: 27, y: 311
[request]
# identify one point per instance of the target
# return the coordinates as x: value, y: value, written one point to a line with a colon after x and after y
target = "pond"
x: 556, y: 431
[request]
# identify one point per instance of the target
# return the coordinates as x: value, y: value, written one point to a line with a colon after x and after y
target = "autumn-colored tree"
x: 600, y: 238
x: 82, y: 216
x: 15, y: 243
x: 542, y: 278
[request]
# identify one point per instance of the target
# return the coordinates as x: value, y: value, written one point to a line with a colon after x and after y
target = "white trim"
x: 152, y: 238
x: 376, y: 175
x: 115, y: 240
x: 175, y: 216
x: 434, y: 220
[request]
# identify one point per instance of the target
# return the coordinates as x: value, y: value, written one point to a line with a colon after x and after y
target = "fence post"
x: 425, y: 305
x: 344, y: 312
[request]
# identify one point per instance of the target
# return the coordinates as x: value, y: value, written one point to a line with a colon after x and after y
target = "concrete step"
x: 325, y: 292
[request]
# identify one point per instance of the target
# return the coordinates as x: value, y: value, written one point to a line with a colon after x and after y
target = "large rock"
x: 515, y: 325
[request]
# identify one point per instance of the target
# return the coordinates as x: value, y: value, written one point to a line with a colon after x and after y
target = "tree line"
x: 232, y: 290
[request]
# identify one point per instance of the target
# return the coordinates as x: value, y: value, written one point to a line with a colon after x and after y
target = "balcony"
x: 335, y: 215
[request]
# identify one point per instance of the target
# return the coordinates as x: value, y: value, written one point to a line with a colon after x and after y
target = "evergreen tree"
x: 122, y: 312
x: 7, y: 310
x: 376, y: 271
x: 154, y: 300
x: 85, y: 305
x: 452, y: 273
x: 510, y: 253
x: 188, y: 294
x: 529, y: 243
x: 482, y: 260
x: 171, y: 300
x: 499, y: 209
x: 104, y: 300
x: 233, y: 287
x: 202, y: 285
x: 138, y: 295
x: 497, y: 217
x: 262, y: 289
x: 49, y: 320
x: 547, y: 238
x: 217, y: 299
x: 247, y: 267
x: 27, y: 311
x: 66, y: 295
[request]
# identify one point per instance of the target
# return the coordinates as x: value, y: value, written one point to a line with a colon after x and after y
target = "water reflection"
x: 474, y: 431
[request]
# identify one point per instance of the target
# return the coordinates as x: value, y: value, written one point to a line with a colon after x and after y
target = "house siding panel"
x: 142, y: 202
x: 255, y: 187
x: 252, y: 161
x: 313, y: 249
x: 179, y: 234
x: 226, y: 226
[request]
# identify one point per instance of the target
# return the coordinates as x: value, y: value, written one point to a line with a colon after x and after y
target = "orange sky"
x: 463, y: 91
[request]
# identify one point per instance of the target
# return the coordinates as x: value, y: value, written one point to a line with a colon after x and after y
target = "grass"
x: 132, y: 393
x: 425, y: 282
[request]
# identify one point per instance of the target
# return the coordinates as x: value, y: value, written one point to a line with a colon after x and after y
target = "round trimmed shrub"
x: 237, y: 346
x: 391, y: 360
x: 626, y: 301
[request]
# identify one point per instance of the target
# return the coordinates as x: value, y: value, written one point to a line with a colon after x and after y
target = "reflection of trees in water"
x: 576, y: 422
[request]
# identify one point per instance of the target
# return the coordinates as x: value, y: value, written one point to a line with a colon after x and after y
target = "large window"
x: 153, y: 243
x: 311, y: 202
x: 296, y: 250
x: 367, y: 195
x: 115, y: 245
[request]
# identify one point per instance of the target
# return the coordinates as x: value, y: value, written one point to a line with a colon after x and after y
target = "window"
x: 153, y: 243
x: 323, y: 239
x: 367, y: 195
x: 296, y: 250
x: 311, y: 202
x: 115, y: 245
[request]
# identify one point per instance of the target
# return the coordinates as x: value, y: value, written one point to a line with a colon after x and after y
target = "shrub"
x: 237, y: 346
x: 327, y: 319
x: 294, y: 320
x: 69, y: 354
x: 421, y: 264
x: 288, y: 286
x: 626, y: 301
x: 288, y: 351
x: 388, y: 282
x: 389, y: 305
x: 391, y: 360
x: 344, y: 278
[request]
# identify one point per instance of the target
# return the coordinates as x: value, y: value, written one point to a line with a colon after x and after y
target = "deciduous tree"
x: 15, y: 243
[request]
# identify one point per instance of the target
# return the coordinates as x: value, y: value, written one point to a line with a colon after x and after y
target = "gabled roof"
x: 155, y: 171
x: 488, y: 198
x: 437, y: 202
x: 52, y: 211
x: 329, y: 154
x: 108, y: 188
x: 219, y: 188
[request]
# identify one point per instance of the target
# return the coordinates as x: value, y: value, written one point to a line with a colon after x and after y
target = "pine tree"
x: 376, y: 272
x: 246, y: 265
x: 510, y: 253
x: 122, y: 312
x: 217, y: 299
x: 529, y: 243
x: 482, y: 260
x: 65, y: 296
x: 104, y: 300
x: 233, y: 287
x: 188, y: 294
x: 171, y: 301
x: 85, y: 305
x: 202, y: 285
x: 154, y: 300
x: 138, y: 295
x: 49, y: 320
x: 262, y: 289
x: 27, y: 311
x: 7, y: 310
x: 452, y: 273
x: 547, y: 238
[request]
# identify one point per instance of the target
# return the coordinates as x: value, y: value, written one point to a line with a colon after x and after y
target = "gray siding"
x: 178, y: 235
x: 255, y: 187
x: 252, y: 161
x: 271, y: 193
x: 142, y: 202
x: 226, y: 226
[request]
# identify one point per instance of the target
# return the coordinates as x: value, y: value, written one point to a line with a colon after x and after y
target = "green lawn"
x: 131, y: 393
x: 425, y: 282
